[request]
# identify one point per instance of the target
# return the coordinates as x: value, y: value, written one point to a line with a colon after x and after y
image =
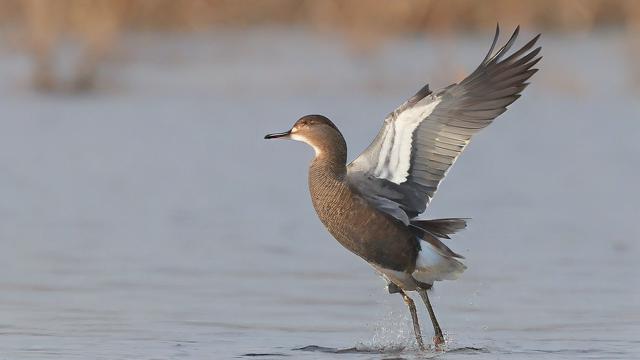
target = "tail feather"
x: 435, y: 260
x: 432, y: 265
x: 439, y: 245
x: 432, y: 231
x: 441, y: 228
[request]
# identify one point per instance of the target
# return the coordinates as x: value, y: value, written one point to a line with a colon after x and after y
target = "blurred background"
x: 143, y: 216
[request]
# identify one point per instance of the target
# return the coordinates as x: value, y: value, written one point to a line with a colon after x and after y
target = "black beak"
x: 278, y: 135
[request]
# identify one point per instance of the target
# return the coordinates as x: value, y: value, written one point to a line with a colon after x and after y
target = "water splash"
x: 392, y: 333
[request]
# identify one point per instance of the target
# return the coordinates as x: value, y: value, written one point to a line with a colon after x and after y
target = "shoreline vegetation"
x: 39, y: 27
x: 390, y: 17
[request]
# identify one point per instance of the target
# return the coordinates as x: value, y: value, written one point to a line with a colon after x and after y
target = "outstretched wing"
x: 401, y: 170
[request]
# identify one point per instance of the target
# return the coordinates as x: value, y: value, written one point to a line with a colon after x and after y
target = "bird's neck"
x: 327, y: 175
x: 330, y: 159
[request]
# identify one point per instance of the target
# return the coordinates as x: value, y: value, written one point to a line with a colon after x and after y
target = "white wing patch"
x: 422, y: 138
x: 394, y: 159
x: 381, y: 170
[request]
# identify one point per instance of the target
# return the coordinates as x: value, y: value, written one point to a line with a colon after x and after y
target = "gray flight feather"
x: 401, y: 180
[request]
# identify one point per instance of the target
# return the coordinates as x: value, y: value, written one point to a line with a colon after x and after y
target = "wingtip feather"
x: 493, y: 44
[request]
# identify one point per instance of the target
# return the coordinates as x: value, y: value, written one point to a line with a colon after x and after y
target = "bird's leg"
x: 438, y: 338
x: 414, y: 318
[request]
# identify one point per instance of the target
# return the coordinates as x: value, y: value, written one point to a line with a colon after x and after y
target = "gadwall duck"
x: 371, y: 206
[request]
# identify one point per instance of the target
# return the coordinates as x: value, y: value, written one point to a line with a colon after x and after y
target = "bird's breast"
x: 359, y: 227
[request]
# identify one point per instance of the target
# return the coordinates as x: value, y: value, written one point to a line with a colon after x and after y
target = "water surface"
x: 151, y: 221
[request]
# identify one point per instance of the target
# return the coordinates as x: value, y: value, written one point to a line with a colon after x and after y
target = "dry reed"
x: 96, y: 24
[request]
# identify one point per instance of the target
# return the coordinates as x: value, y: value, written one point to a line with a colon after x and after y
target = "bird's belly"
x: 402, y: 279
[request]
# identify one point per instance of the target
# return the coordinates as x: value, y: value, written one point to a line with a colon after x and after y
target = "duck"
x: 375, y: 205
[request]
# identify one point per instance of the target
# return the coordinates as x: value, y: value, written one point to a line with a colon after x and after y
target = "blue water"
x: 149, y: 220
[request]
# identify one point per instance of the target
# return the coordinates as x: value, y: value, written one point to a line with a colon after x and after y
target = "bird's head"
x: 316, y: 130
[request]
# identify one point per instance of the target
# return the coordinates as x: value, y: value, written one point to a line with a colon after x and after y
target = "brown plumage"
x: 349, y: 217
x: 371, y: 206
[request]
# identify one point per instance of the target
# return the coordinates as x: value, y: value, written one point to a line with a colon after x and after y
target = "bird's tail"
x: 441, y: 228
x: 435, y: 260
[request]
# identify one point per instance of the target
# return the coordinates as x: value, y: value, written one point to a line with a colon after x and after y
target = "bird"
x: 374, y: 206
